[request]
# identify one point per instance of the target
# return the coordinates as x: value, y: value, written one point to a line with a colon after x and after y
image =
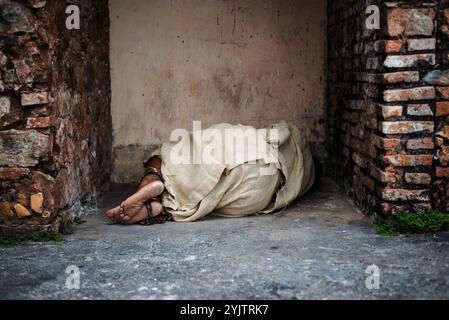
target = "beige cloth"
x: 239, y: 179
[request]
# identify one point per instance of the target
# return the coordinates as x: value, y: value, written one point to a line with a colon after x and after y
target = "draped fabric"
x: 241, y: 176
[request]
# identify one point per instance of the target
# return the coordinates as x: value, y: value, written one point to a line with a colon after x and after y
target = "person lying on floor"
x: 259, y: 176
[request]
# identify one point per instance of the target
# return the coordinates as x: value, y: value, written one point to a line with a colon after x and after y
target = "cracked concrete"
x: 318, y: 249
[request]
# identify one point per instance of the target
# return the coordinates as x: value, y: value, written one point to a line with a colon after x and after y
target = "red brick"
x: 443, y: 155
x: 386, y: 143
x: 420, y: 144
x: 443, y: 92
x: 420, y: 93
x: 442, y: 108
x: 410, y: 22
x: 404, y: 127
x: 421, y: 44
x: 444, y: 133
x: 390, y: 111
x: 399, y: 77
x: 382, y: 176
x: 442, y: 172
x: 389, y: 46
x: 405, y: 160
x: 409, y: 61
x: 420, y: 207
x: 405, y: 195
x: 419, y: 110
x: 417, y: 178
x: 388, y: 208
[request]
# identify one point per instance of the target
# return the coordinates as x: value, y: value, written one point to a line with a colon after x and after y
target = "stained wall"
x: 253, y: 62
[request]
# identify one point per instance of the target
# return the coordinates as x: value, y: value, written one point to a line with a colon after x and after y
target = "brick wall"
x: 388, y: 94
x: 386, y: 104
x: 440, y: 79
x: 55, y: 126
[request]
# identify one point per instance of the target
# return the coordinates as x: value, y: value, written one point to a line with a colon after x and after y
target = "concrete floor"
x: 320, y: 248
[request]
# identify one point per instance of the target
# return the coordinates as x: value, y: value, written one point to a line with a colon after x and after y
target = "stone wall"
x: 55, y: 123
x: 387, y: 105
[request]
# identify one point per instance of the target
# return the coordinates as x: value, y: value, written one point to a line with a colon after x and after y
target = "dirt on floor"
x: 320, y: 248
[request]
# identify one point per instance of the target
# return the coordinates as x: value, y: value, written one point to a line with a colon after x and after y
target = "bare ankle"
x: 147, y: 180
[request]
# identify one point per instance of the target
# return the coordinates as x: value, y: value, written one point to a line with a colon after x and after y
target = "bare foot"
x: 133, y: 209
x: 156, y: 209
x: 112, y: 213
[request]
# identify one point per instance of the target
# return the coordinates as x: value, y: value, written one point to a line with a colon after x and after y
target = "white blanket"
x: 238, y: 179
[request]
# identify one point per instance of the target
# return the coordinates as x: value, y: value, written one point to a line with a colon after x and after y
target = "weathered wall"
x: 352, y: 96
x: 387, y: 108
x: 55, y: 124
x: 242, y: 61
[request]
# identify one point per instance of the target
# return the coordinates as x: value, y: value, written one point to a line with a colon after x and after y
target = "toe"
x: 111, y: 214
x: 156, y: 208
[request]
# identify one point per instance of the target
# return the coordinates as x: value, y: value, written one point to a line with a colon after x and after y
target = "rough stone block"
x: 10, y: 111
x: 421, y: 44
x: 18, y: 17
x: 410, y: 22
x: 37, y: 201
x: 409, y: 61
x: 405, y: 127
x: 36, y: 4
x: 383, y: 176
x: 405, y: 195
x: 40, y: 122
x: 401, y: 76
x: 389, y: 46
x: 21, y: 211
x: 420, y: 93
x: 23, y: 148
x: 34, y: 98
x: 420, y: 144
x: 442, y: 109
x: 442, y: 172
x: 386, y: 143
x: 390, y: 111
x: 443, y: 92
x: 6, y: 210
x: 419, y: 110
x: 437, y: 78
x: 5, y: 106
x: 444, y: 133
x: 418, y: 178
x: 405, y: 160
x: 13, y: 173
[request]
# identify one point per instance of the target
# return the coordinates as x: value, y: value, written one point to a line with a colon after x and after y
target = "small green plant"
x: 41, y: 236
x: 408, y: 223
